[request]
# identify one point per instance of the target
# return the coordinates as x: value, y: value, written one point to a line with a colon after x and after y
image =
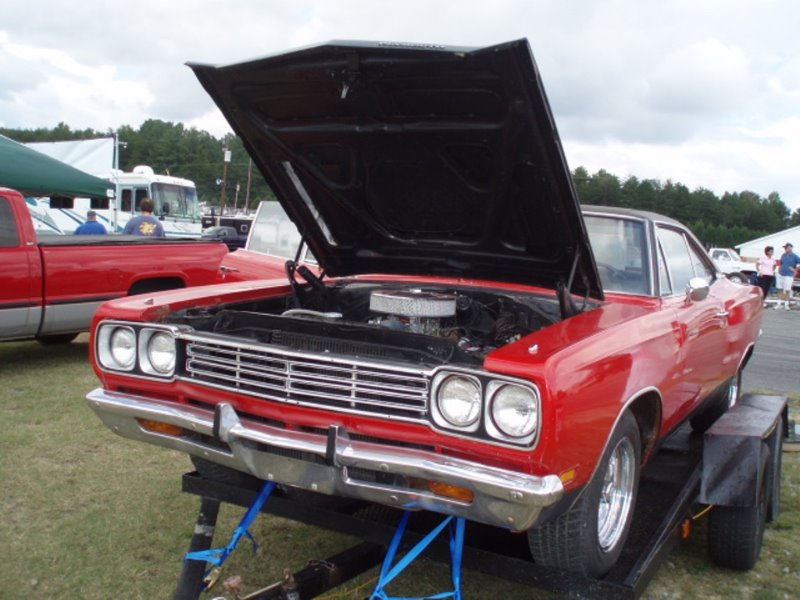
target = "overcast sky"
x: 704, y: 92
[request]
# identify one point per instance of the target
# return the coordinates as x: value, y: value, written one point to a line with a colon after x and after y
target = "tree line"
x: 729, y: 220
x: 172, y: 148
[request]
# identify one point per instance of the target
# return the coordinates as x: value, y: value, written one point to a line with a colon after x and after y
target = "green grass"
x: 89, y: 515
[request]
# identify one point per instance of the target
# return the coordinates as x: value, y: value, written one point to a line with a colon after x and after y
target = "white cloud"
x: 702, y: 93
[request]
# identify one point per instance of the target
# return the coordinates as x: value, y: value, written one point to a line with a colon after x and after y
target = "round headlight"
x: 459, y: 400
x: 161, y: 352
x: 123, y: 347
x: 515, y: 411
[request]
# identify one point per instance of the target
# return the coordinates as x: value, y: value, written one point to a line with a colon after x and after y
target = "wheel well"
x: 647, y: 410
x: 146, y: 286
x: 747, y: 356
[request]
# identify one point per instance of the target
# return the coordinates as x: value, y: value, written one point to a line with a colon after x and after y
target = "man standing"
x: 91, y: 226
x: 786, y: 274
x: 146, y: 223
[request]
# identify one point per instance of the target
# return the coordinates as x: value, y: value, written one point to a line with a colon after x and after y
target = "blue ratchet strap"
x: 217, y: 556
x: 389, y: 573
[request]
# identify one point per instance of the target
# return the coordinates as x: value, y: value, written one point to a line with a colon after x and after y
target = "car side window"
x: 701, y: 267
x: 663, y: 275
x: 680, y: 266
x: 682, y: 261
x: 9, y: 237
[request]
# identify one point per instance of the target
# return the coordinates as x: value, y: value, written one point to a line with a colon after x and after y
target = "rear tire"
x: 736, y: 533
x: 589, y: 537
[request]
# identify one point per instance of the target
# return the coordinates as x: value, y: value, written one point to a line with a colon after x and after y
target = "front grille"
x: 296, y: 378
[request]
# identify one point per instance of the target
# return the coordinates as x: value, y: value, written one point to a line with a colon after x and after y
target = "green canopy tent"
x: 36, y: 174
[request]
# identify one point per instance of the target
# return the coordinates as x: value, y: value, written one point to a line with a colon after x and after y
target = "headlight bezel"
x: 485, y: 429
x: 143, y: 334
x: 497, y: 430
x: 146, y: 362
x: 440, y: 382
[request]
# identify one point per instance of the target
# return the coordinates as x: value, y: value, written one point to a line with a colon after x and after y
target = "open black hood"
x: 413, y: 159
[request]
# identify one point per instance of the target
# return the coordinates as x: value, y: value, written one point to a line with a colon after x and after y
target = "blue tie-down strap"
x: 389, y: 572
x: 217, y: 556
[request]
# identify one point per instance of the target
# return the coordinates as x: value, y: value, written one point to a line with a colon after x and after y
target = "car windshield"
x: 620, y: 253
x: 274, y: 233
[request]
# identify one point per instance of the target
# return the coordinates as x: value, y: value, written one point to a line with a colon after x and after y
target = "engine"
x: 413, y: 324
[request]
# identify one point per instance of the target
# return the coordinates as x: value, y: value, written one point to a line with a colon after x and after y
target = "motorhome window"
x: 125, y: 201
x: 62, y: 202
x: 176, y: 200
x: 141, y: 194
x: 99, y: 203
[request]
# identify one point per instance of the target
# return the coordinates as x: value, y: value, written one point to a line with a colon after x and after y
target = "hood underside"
x: 414, y: 159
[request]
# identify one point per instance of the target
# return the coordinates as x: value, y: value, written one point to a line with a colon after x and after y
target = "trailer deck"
x: 670, y: 486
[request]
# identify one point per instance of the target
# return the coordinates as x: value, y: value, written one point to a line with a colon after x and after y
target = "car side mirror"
x: 696, y: 290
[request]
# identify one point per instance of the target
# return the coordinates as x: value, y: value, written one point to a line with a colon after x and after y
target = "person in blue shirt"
x: 787, y: 270
x: 146, y: 223
x: 91, y: 226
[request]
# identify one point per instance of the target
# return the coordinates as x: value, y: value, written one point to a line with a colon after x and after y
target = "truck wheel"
x: 738, y: 277
x: 588, y: 538
x: 54, y: 340
x: 718, y: 406
x: 735, y: 533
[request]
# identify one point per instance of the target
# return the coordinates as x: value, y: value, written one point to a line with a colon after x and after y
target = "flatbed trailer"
x: 734, y: 468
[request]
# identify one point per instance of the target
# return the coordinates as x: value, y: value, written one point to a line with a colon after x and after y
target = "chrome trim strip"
x: 301, y: 459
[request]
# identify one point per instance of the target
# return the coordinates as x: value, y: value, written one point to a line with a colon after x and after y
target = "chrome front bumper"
x: 335, y: 464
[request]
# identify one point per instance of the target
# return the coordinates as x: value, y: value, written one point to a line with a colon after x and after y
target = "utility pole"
x: 247, y: 192
x: 226, y: 158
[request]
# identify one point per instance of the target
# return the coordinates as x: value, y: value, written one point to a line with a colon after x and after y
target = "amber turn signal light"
x: 159, y: 427
x: 451, y: 491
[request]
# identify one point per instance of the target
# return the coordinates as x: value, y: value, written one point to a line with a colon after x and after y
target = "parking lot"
x: 775, y: 366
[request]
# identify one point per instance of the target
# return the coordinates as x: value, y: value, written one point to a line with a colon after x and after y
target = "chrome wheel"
x: 616, y: 495
x: 733, y: 390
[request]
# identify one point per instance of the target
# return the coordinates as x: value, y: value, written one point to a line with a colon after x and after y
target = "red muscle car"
x: 474, y: 343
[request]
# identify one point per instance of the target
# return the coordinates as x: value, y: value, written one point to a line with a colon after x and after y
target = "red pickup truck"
x: 50, y: 288
x: 473, y: 342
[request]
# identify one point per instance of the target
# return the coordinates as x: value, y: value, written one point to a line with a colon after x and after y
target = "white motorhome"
x: 175, y: 199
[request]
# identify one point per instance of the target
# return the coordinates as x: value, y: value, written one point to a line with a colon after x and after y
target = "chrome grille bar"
x: 297, y: 378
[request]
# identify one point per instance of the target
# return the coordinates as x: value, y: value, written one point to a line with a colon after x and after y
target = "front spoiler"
x: 334, y: 464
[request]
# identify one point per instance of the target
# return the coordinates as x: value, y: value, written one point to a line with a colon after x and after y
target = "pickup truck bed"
x: 50, y: 288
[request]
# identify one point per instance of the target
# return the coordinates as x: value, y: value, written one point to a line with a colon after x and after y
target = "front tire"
x: 589, y: 537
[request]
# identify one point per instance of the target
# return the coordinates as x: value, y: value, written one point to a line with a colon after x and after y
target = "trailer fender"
x: 734, y: 449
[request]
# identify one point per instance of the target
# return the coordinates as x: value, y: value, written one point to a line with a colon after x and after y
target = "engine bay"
x: 420, y: 324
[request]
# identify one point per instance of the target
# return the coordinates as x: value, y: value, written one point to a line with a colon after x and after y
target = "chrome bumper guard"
x: 331, y: 464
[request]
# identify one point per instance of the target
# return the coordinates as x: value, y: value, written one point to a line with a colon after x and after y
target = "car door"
x: 20, y: 279
x: 699, y: 325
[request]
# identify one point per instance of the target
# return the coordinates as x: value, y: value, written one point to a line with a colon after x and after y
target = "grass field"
x: 89, y: 515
